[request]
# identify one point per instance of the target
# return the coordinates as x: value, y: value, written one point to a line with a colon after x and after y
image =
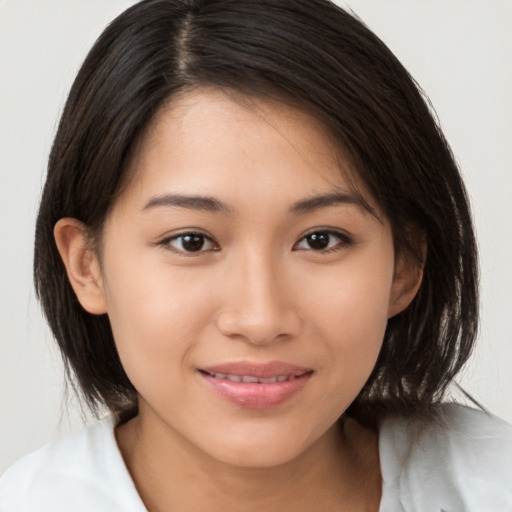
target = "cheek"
x: 355, y: 300
x: 350, y: 316
x: 155, y: 317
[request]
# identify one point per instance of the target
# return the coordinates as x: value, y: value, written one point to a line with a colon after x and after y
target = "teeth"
x: 253, y: 380
x: 249, y: 378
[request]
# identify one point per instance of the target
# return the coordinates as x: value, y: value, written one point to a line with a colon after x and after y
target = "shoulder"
x: 82, y: 472
x: 457, y: 459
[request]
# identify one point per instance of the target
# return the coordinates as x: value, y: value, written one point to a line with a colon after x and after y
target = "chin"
x: 255, y: 448
x: 258, y: 457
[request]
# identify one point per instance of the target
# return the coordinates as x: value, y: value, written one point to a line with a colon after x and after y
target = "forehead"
x: 221, y: 142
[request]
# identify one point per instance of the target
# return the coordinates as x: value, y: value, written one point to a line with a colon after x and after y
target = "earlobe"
x: 406, y: 283
x: 81, y: 264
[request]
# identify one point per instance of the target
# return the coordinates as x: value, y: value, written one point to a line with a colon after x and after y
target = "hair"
x: 323, y: 60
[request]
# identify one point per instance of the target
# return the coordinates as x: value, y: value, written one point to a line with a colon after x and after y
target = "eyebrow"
x: 314, y: 203
x: 204, y: 203
x: 211, y: 204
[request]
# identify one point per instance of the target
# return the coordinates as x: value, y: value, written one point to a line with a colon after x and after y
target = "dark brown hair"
x: 322, y: 59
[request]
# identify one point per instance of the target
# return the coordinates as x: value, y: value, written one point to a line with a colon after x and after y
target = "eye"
x: 322, y: 241
x: 189, y: 243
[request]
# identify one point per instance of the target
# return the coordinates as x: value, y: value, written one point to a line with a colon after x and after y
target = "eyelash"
x: 343, y: 241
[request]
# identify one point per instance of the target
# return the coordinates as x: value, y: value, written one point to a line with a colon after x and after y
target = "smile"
x: 251, y: 379
x: 256, y: 386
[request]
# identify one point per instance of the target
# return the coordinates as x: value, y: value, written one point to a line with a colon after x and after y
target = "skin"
x: 258, y: 290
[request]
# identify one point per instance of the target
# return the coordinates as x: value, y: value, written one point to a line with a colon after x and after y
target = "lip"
x: 256, y: 395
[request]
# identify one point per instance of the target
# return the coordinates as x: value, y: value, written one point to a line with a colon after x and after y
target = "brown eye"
x: 318, y: 241
x: 192, y: 243
x: 189, y: 243
x: 322, y: 241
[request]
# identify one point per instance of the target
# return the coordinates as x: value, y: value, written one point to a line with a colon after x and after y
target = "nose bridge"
x: 257, y: 303
x: 264, y: 287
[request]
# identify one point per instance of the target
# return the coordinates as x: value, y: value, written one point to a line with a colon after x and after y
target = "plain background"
x: 460, y: 51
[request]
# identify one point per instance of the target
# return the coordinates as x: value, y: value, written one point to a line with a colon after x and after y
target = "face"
x: 247, y: 288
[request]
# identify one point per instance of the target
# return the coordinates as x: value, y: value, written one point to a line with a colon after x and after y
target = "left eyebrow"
x: 314, y: 203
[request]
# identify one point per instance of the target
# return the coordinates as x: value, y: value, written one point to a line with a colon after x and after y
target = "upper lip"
x: 259, y: 370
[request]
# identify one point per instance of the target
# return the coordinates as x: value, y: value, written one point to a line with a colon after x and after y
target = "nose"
x: 258, y: 304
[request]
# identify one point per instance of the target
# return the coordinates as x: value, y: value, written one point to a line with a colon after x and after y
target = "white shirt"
x: 459, y: 461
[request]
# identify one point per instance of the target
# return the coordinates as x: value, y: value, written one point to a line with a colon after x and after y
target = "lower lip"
x: 257, y: 395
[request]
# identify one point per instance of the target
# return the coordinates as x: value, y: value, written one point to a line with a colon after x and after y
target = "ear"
x: 81, y: 264
x: 406, y: 282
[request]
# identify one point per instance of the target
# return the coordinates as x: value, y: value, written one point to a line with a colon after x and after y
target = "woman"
x: 254, y: 247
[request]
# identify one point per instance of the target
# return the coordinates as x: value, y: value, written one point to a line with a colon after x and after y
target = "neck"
x: 340, y: 471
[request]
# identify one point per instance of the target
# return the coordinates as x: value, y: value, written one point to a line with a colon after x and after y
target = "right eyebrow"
x: 204, y: 203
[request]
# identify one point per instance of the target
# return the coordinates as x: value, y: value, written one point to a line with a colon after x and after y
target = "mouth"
x: 251, y: 378
x: 256, y: 386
